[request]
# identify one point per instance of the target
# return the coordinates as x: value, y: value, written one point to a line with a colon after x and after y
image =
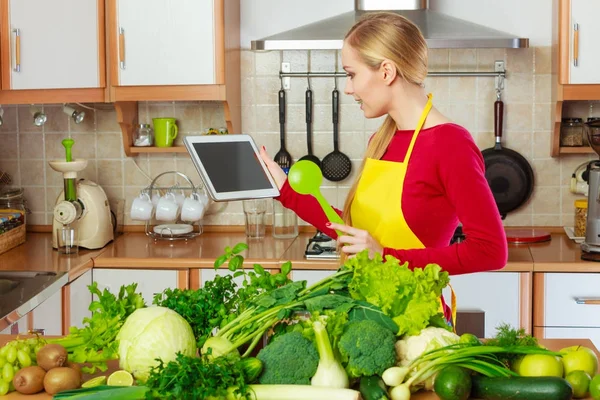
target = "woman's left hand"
x: 355, y: 240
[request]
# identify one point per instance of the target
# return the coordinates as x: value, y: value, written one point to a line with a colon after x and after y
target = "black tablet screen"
x: 232, y: 166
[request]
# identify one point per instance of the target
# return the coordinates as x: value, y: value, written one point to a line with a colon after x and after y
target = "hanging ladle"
x: 305, y: 177
x: 336, y: 165
x: 309, y: 109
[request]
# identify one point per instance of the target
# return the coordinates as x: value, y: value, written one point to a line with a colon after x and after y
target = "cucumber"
x: 521, y: 388
x: 372, y: 388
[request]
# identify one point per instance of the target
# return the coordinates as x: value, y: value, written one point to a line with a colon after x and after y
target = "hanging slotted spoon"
x: 309, y: 102
x: 336, y: 165
x: 305, y: 177
x: 283, y: 158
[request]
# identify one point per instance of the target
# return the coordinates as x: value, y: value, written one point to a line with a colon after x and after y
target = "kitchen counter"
x: 552, y: 344
x: 36, y: 254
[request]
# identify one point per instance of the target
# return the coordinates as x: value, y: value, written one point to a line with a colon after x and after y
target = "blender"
x: 82, y: 205
x: 591, y: 246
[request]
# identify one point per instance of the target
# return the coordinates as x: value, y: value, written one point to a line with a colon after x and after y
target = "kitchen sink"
x: 22, y: 291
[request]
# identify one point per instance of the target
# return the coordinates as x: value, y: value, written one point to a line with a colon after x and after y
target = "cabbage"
x: 151, y: 333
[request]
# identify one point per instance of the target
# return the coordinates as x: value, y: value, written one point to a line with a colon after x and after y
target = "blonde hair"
x: 386, y: 36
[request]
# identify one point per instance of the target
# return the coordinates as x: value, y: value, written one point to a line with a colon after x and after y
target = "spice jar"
x: 587, y: 130
x: 143, y: 135
x: 581, y: 210
x: 571, y: 132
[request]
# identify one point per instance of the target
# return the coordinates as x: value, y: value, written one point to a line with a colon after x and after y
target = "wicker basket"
x: 12, y: 238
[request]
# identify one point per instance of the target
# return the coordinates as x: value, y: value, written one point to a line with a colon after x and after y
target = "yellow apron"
x: 375, y: 205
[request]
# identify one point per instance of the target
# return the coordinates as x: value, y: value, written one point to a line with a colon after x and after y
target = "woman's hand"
x: 356, y: 240
x: 276, y: 172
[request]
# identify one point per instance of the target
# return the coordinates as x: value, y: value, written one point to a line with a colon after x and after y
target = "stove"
x: 321, y: 247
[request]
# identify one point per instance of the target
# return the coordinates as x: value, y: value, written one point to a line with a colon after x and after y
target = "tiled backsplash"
x: 26, y: 148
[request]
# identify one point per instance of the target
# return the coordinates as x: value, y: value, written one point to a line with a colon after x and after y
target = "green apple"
x: 579, y: 358
x: 541, y: 365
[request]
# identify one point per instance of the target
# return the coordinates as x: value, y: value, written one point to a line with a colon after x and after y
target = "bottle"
x: 285, y: 222
x: 581, y: 209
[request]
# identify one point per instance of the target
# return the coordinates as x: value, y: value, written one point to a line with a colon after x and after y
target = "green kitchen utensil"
x: 305, y: 177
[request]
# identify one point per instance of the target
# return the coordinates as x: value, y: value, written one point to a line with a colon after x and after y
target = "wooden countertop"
x: 552, y: 344
x: 136, y: 250
x: 36, y: 254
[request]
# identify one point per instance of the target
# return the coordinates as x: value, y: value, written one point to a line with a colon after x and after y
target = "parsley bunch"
x: 197, y: 378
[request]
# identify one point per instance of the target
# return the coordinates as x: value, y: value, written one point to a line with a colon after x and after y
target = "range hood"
x: 441, y: 31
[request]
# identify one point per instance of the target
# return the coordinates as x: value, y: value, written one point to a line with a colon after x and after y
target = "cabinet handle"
x: 587, y: 301
x: 122, y: 47
x: 575, y: 44
x: 17, y: 33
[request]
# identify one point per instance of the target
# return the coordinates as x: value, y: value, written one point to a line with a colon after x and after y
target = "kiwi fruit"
x: 60, y: 379
x: 52, y: 356
x: 76, y: 367
x: 29, y: 380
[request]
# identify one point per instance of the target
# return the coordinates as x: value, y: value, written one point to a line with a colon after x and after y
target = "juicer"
x: 591, y: 245
x: 82, y: 204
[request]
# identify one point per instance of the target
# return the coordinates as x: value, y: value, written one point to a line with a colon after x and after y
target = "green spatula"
x: 305, y: 177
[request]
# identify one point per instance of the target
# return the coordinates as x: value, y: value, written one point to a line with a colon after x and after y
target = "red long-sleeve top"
x: 445, y: 183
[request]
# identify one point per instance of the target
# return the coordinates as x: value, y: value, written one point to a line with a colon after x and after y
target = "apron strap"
x: 424, y: 115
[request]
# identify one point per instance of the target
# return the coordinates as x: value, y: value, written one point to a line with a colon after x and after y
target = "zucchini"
x: 521, y: 388
x: 372, y: 388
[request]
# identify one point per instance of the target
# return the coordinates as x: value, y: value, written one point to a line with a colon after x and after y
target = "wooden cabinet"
x: 575, y: 61
x: 167, y: 51
x: 504, y: 299
x: 52, y: 51
x: 166, y: 43
x: 149, y: 282
x: 566, y: 305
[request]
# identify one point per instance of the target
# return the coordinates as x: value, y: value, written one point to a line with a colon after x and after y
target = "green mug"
x: 165, y: 131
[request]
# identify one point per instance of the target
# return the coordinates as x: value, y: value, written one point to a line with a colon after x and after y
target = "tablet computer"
x: 230, y: 167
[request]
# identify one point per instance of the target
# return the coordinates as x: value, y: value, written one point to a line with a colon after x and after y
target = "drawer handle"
x: 122, y: 47
x: 587, y: 301
x: 575, y: 44
x: 17, y: 33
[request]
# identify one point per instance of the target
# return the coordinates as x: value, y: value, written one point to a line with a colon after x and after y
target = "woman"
x: 421, y: 175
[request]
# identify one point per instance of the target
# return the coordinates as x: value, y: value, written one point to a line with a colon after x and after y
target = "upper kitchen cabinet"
x: 166, y: 50
x: 576, y: 61
x: 52, y: 51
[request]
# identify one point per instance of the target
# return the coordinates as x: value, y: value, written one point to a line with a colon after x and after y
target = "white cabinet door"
x: 57, y: 42
x: 574, y: 333
x: 149, y: 282
x: 80, y: 299
x: 48, y: 315
x: 560, y: 306
x: 584, y: 17
x: 495, y: 293
x: 166, y: 42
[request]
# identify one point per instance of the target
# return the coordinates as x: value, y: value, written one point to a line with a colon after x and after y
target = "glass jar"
x: 285, y: 222
x: 581, y: 210
x: 571, y: 132
x: 13, y: 209
x: 586, y: 139
x: 143, y: 135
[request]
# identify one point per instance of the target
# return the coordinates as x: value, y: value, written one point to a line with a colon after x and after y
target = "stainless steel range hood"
x: 441, y: 31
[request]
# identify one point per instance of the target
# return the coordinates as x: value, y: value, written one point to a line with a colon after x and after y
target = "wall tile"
x: 9, y: 149
x: 9, y: 120
x: 25, y: 119
x: 543, y: 60
x: 34, y: 174
x: 31, y: 146
x: 267, y: 63
x: 519, y: 60
x: 463, y: 59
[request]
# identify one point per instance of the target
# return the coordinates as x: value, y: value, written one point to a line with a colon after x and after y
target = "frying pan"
x: 508, y: 173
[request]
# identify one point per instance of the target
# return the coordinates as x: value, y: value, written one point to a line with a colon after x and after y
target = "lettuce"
x: 410, y: 297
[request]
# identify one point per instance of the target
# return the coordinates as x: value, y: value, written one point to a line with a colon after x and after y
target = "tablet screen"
x: 232, y: 166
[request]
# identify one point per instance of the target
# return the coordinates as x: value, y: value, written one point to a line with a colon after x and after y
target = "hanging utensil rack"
x: 499, y: 74
x: 169, y: 235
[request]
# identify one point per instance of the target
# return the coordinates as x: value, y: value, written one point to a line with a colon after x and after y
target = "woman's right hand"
x: 276, y: 172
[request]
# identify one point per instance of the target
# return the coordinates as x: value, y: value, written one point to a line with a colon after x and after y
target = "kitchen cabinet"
x: 566, y: 305
x: 52, y: 51
x: 149, y: 282
x: 167, y: 51
x: 77, y: 305
x: 575, y: 61
x: 503, y: 296
x: 48, y: 315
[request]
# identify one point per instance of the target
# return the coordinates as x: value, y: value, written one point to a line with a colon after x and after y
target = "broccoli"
x: 367, y: 348
x: 290, y: 359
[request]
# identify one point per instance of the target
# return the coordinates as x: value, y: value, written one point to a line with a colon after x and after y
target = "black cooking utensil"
x: 508, y: 173
x: 336, y: 165
x: 283, y: 158
x: 309, y: 106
